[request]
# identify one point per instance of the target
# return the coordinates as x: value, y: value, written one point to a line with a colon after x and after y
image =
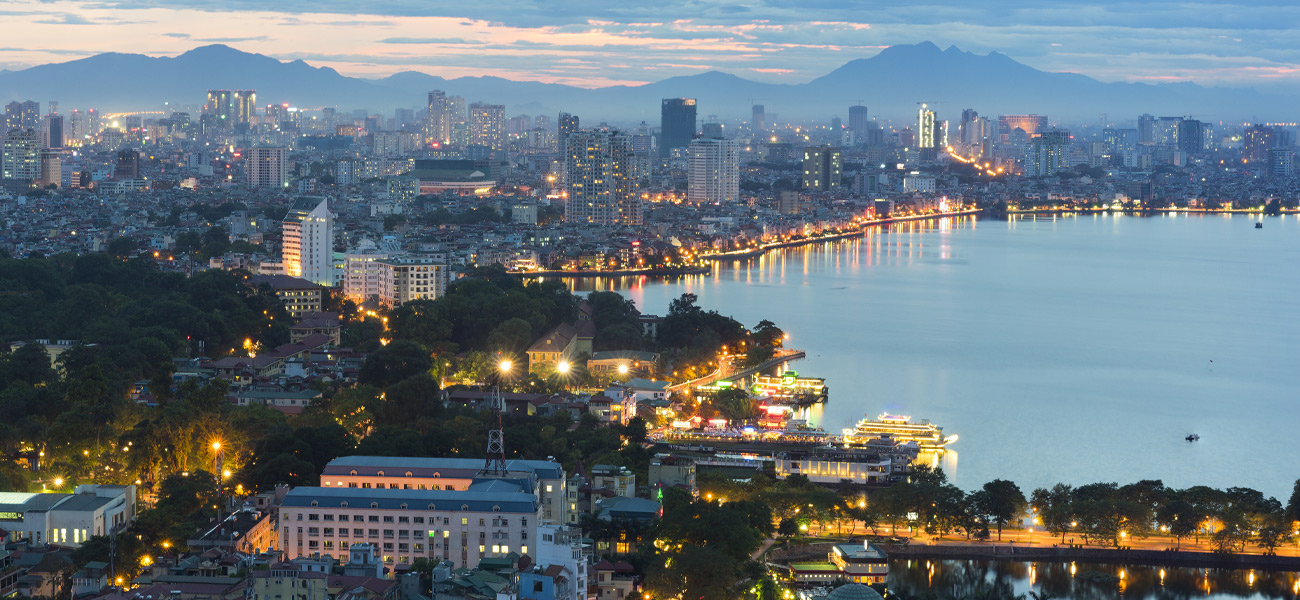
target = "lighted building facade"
x: 308, y: 250
x: 714, y: 171
x: 20, y: 155
x: 822, y: 169
x: 676, y: 124
x: 598, y: 179
x: 1030, y: 124
x: 487, y: 126
x: 267, y: 167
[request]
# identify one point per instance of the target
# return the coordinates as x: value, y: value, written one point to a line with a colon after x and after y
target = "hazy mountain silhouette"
x: 889, y: 83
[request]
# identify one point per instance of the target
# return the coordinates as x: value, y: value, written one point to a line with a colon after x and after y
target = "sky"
x: 593, y: 43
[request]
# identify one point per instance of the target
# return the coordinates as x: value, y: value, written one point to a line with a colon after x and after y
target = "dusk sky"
x: 600, y: 42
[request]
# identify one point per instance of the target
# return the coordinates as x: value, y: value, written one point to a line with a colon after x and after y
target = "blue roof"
x: 389, y: 499
x: 424, y: 466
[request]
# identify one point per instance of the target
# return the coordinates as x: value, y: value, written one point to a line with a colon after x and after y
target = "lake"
x: 1060, y: 349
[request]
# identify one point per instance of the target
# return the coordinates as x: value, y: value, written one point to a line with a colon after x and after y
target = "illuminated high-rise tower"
x: 308, y: 250
x: 437, y: 125
x: 927, y: 134
x: 714, y: 171
x: 221, y: 106
x: 243, y: 106
x: 598, y: 179
x: 487, y: 125
x: 677, y: 124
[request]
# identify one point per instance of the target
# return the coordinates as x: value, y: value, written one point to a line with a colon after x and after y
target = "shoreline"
x: 858, y: 232
x: 1179, y: 558
x: 1149, y: 211
x: 623, y: 273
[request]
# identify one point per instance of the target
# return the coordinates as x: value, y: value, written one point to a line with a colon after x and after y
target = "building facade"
x: 308, y: 250
x: 714, y: 175
x: 598, y: 179
x: 267, y: 167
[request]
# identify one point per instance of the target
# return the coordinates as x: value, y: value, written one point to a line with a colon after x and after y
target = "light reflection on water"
x: 1057, y: 348
x: 919, y: 578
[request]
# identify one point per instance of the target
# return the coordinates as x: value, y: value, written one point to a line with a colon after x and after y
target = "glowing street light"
x: 622, y: 369
x: 563, y: 367
x: 505, y: 366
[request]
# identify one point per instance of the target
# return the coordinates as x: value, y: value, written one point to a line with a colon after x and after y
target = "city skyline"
x: 1242, y: 44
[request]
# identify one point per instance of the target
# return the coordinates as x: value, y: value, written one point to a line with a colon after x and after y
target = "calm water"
x: 966, y: 578
x: 1074, y: 349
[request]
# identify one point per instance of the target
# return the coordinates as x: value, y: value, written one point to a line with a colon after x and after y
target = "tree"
x: 1293, y: 505
x: 511, y: 337
x: 1054, y: 509
x: 1272, y: 534
x: 1181, y: 518
x: 1003, y: 502
x: 735, y: 404
x: 636, y: 430
x: 122, y: 247
x: 392, y: 363
x: 788, y: 527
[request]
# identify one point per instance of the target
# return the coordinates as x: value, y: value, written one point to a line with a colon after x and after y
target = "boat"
x: 927, y: 435
x: 1259, y: 225
x: 1192, y: 437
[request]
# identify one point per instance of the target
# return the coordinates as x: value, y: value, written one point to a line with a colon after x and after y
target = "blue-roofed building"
x: 412, y: 473
x: 489, y: 519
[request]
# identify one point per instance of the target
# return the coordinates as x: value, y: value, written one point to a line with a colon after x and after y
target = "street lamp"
x: 505, y: 367
x: 563, y: 367
x: 622, y: 369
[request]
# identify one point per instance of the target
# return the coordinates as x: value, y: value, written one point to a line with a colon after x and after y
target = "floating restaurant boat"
x: 789, y: 389
x: 927, y: 435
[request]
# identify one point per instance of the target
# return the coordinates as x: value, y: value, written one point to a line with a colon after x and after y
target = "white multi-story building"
x: 362, y: 272
x: 409, y: 473
x: 67, y: 519
x: 714, y: 175
x: 487, y: 125
x: 267, y: 167
x: 598, y: 179
x: 491, y: 518
x: 406, y: 278
x: 308, y: 251
x: 561, y: 549
x: 20, y: 155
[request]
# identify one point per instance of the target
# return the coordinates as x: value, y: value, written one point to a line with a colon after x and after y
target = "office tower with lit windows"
x: 20, y: 157
x: 676, y: 124
x: 713, y: 171
x: 220, y: 106
x: 927, y: 134
x: 568, y: 125
x: 1258, y: 140
x: 821, y: 168
x: 760, y: 118
x: 1281, y: 162
x: 243, y: 106
x: 1146, y: 126
x: 128, y: 165
x: 437, y: 124
x: 598, y: 179
x: 487, y: 125
x: 1030, y: 124
x: 1048, y: 153
x: 457, y: 123
x: 23, y: 115
x: 308, y: 249
x: 267, y: 167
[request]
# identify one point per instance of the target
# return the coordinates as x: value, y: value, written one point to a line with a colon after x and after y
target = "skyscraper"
x: 52, y: 131
x: 676, y: 124
x: 23, y: 115
x: 267, y: 167
x: 1146, y: 126
x: 598, y: 179
x: 51, y: 168
x: 20, y: 155
x: 821, y: 168
x: 308, y: 250
x: 457, y: 125
x: 244, y: 106
x: 487, y: 126
x: 760, y: 117
x: 714, y: 171
x: 1191, y: 136
x: 128, y: 164
x: 927, y: 135
x: 437, y: 125
x: 1030, y: 124
x: 1259, y: 139
x: 1048, y: 153
x: 858, y: 120
x: 220, y: 105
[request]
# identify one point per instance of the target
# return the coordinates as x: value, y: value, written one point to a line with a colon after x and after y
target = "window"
x: 464, y: 521
x: 313, y: 516
x: 374, y: 518
x: 328, y: 516
x: 523, y: 549
x: 389, y: 518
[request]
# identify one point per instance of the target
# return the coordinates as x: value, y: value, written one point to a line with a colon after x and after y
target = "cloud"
x: 66, y: 19
x: 407, y: 40
x: 177, y: 35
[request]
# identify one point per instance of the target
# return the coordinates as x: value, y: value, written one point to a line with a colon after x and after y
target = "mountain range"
x: 890, y: 84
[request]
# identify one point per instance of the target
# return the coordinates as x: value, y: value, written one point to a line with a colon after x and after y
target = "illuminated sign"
x: 11, y: 516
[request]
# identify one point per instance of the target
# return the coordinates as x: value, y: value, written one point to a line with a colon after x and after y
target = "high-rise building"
x: 1191, y: 136
x: 487, y: 125
x: 1030, y: 124
x: 714, y: 171
x: 437, y: 125
x: 821, y: 168
x: 1165, y: 131
x: 23, y: 115
x: 568, y: 125
x: 1259, y: 139
x: 457, y: 123
x: 128, y: 165
x: 1146, y: 126
x: 267, y: 167
x: 243, y: 106
x: 221, y: 106
x: 308, y: 250
x: 1048, y: 153
x: 676, y: 124
x: 20, y: 155
x: 858, y: 121
x: 927, y: 134
x: 52, y: 131
x: 760, y: 117
x: 713, y: 130
x: 51, y: 168
x: 598, y: 179
x: 1281, y: 162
